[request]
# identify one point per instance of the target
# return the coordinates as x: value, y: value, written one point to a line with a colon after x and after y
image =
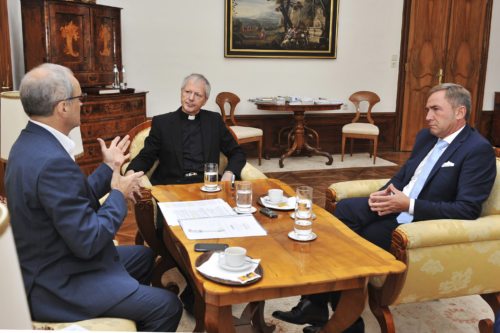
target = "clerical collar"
x: 190, y: 117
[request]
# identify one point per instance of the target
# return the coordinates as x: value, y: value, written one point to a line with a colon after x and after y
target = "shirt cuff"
x: 412, y: 206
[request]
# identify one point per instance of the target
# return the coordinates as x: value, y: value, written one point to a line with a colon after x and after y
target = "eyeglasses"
x: 81, y: 97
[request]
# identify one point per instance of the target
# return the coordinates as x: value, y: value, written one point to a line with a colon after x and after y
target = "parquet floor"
x: 318, y: 180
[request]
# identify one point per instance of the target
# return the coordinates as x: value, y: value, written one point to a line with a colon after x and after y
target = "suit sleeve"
x: 67, y: 199
x: 150, y: 152
x: 236, y: 157
x: 474, y: 183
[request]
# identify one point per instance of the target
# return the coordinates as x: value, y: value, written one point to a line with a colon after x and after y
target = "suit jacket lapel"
x: 455, y: 144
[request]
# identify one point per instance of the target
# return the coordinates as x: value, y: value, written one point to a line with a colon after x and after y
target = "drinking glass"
x: 211, y: 175
x: 244, y: 196
x: 303, y: 211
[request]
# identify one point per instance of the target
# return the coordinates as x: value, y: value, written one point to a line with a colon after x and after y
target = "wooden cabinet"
x: 87, y: 39
x: 106, y: 116
x: 5, y: 61
x: 84, y: 37
x: 443, y: 41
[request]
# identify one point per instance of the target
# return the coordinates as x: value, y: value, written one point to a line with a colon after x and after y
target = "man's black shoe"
x: 305, y: 312
x: 357, y: 327
x: 187, y: 298
x: 311, y: 329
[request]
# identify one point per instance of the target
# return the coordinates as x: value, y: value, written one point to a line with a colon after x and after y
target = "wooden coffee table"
x: 337, y: 260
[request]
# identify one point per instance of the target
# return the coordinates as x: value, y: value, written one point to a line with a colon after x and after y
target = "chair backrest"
x: 492, y: 205
x: 137, y: 136
x: 231, y: 99
x: 364, y: 96
x: 15, y: 312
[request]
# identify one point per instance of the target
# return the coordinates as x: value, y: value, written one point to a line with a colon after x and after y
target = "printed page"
x: 222, y: 227
x: 184, y: 210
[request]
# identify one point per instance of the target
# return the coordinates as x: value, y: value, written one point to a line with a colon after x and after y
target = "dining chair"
x: 242, y: 134
x: 362, y: 130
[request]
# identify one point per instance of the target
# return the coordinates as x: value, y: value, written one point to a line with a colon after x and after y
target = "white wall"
x: 163, y: 43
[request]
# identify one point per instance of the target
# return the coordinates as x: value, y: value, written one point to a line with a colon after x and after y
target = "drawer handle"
x: 92, y: 78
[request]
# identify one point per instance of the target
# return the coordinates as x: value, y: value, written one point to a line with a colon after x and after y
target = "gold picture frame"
x: 281, y: 28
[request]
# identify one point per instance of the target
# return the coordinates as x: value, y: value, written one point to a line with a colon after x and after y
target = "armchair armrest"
x: 249, y: 172
x: 454, y: 258
x: 350, y: 189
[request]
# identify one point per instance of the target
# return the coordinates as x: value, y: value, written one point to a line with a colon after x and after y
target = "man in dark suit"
x: 453, y: 186
x: 64, y: 238
x: 184, y: 140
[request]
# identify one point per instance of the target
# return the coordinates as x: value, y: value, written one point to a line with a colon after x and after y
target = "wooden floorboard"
x: 319, y: 180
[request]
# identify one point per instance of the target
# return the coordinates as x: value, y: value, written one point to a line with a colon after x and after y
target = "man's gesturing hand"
x: 128, y: 184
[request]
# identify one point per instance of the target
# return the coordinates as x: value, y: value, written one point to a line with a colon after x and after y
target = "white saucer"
x: 246, y: 265
x: 292, y: 215
x: 216, y: 189
x: 294, y: 236
x: 251, y: 211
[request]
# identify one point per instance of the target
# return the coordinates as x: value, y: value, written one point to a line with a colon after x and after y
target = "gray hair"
x: 43, y: 87
x: 197, y: 77
x: 456, y: 95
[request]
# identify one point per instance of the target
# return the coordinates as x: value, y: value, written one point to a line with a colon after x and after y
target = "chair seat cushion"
x: 360, y: 128
x: 96, y: 324
x: 243, y: 132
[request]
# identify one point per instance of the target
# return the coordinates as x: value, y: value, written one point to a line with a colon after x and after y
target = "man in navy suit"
x: 64, y: 238
x: 455, y: 186
x: 184, y: 140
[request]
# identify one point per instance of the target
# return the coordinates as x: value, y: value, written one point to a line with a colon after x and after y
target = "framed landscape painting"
x: 281, y: 28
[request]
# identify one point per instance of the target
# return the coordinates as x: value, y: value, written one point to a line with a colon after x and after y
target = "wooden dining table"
x: 337, y: 260
x: 300, y: 141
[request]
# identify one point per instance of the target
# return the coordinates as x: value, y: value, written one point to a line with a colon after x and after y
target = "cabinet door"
x: 107, y: 40
x: 69, y: 36
x: 5, y: 61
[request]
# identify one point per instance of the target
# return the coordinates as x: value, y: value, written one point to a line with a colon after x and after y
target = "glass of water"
x: 244, y: 197
x: 303, y: 211
x: 211, y: 175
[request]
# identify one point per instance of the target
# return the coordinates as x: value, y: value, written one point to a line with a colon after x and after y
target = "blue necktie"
x: 405, y: 217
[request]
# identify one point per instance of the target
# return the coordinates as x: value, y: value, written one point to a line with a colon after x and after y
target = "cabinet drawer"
x: 113, y: 108
x: 107, y: 130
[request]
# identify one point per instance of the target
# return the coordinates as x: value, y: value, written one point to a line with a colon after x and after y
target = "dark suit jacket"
x: 164, y: 143
x: 64, y: 238
x: 458, y: 190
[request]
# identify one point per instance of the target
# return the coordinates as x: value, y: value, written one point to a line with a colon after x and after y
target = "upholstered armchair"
x: 444, y: 258
x: 14, y: 304
x: 146, y: 211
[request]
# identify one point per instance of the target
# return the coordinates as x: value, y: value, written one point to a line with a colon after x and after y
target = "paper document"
x: 222, y: 227
x: 183, y: 210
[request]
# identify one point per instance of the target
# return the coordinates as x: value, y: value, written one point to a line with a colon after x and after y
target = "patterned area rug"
x: 299, y: 163
x: 454, y: 315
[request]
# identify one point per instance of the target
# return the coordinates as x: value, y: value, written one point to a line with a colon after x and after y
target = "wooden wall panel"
x: 329, y: 127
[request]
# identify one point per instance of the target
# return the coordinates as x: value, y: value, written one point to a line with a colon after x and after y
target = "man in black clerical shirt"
x: 184, y: 140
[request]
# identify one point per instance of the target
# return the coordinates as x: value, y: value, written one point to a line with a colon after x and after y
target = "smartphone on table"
x: 205, y: 247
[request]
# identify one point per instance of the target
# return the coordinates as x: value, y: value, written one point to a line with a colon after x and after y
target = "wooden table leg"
x: 288, y: 153
x: 253, y: 316
x: 219, y: 319
x: 320, y: 152
x: 350, y: 307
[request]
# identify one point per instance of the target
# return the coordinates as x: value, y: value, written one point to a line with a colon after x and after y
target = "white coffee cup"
x: 275, y: 195
x: 234, y: 256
